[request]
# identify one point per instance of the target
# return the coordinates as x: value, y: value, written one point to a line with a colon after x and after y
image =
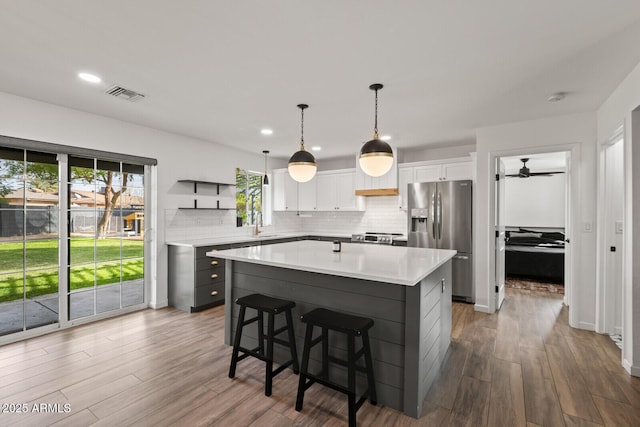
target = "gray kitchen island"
x: 406, y: 291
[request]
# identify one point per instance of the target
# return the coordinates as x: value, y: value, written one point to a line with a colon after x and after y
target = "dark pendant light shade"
x: 302, y: 165
x: 266, y: 178
x: 376, y: 156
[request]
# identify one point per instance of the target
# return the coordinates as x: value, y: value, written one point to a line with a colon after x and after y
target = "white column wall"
x: 179, y: 157
x: 622, y: 108
x: 576, y: 133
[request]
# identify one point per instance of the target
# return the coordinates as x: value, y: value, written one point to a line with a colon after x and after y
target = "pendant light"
x: 266, y: 178
x: 302, y: 165
x: 376, y: 156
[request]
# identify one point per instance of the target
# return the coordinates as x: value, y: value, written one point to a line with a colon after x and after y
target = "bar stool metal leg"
x: 261, y: 332
x: 302, y: 385
x: 325, y: 353
x: 236, y: 343
x: 269, y: 362
x: 373, y: 397
x: 292, y: 342
x: 351, y: 379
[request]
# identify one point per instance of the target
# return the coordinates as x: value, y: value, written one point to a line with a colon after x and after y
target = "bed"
x: 535, y: 254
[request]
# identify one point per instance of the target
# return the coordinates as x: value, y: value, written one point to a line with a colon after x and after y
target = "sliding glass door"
x: 29, y: 240
x: 69, y: 252
x: 105, y: 237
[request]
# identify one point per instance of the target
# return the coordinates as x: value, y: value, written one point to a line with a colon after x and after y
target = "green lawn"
x: 43, y: 256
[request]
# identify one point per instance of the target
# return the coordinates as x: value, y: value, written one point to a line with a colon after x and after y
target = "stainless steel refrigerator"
x: 439, y: 216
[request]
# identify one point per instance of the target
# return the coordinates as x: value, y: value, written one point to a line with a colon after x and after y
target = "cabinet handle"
x: 214, y: 262
x: 214, y: 276
x: 443, y: 285
x: 214, y: 293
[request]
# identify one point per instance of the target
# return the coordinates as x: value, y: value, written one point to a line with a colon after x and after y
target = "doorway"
x: 532, y: 223
x: 610, y: 238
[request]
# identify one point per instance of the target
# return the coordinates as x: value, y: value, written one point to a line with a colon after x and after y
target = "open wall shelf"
x: 196, y: 182
x: 195, y: 191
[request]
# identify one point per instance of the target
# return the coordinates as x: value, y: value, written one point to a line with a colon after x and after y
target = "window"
x: 251, y: 200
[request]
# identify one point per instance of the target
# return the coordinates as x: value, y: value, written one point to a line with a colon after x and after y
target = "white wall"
x: 179, y: 157
x: 620, y: 108
x: 537, y: 201
x: 576, y: 133
x: 436, y: 152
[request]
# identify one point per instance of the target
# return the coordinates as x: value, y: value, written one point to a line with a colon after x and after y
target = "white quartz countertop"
x: 390, y: 264
x: 241, y: 239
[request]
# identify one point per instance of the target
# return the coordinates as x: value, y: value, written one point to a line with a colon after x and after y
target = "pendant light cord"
x: 302, y: 128
x: 375, y: 126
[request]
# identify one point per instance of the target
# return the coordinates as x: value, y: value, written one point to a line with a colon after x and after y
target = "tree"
x: 44, y: 177
x: 111, y: 195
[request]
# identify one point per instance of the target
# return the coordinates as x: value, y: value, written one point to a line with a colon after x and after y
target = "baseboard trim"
x: 157, y: 305
x: 632, y: 370
x: 482, y: 308
x: 587, y: 326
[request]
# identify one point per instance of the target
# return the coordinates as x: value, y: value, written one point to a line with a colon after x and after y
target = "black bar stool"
x: 352, y: 326
x: 271, y: 306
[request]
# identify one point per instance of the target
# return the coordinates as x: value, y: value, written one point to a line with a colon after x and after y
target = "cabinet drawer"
x: 208, y: 277
x: 209, y: 294
x: 209, y: 263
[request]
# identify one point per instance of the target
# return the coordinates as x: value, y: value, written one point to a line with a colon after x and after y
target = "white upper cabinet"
x: 307, y: 195
x: 442, y: 170
x: 327, y: 191
x: 427, y: 173
x: 388, y: 181
x: 285, y: 191
x: 336, y: 191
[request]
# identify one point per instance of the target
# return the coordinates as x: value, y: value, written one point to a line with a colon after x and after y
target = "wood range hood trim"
x: 378, y: 192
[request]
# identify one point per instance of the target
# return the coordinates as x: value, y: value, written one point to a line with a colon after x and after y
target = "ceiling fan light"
x: 376, y: 157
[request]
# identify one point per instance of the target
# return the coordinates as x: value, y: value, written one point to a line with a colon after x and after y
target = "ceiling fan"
x: 524, y: 171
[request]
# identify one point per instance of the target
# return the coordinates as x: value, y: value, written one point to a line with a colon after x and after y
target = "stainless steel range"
x: 376, y: 238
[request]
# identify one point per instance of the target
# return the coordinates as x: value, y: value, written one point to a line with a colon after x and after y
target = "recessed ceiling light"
x: 385, y: 137
x: 555, y: 97
x: 316, y: 148
x: 266, y: 131
x: 91, y: 78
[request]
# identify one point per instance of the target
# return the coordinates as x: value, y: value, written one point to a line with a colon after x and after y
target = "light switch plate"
x: 588, y: 226
x: 619, y: 227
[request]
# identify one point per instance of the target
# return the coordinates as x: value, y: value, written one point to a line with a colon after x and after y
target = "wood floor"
x: 522, y: 367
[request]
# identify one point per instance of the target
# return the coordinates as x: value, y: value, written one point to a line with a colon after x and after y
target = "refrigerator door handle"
x: 433, y: 215
x: 439, y: 215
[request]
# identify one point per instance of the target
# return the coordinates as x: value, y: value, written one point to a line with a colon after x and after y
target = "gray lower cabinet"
x: 196, y: 281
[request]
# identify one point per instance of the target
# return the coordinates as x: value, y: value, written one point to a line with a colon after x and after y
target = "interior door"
x: 500, y: 233
x: 613, y: 213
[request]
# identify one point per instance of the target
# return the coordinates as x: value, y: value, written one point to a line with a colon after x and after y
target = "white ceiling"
x: 222, y: 70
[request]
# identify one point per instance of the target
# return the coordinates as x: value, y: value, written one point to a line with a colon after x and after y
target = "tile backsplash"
x: 382, y: 214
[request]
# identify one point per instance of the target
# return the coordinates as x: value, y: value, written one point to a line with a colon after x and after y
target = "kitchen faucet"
x: 258, y: 220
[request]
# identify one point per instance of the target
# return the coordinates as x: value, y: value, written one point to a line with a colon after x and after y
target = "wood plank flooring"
x: 521, y: 367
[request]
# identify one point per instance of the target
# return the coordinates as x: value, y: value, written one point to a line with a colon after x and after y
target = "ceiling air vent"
x: 126, y: 94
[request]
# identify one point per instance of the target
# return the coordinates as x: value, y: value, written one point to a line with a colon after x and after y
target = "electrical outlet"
x: 588, y: 226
